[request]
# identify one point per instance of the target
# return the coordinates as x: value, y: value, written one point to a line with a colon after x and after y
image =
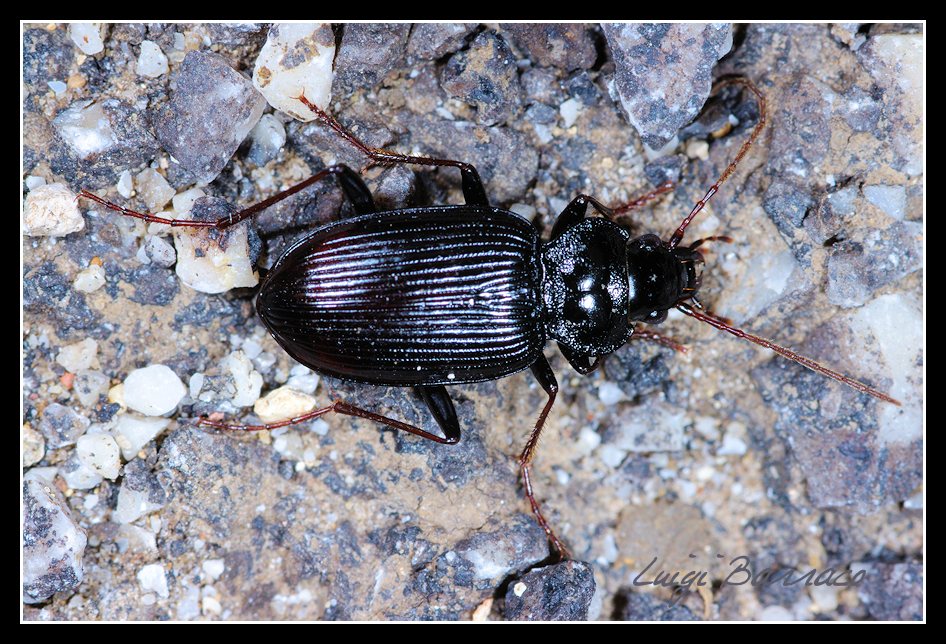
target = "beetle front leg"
x: 542, y: 371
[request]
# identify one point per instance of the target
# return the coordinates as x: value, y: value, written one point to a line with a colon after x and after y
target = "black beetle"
x: 441, y: 295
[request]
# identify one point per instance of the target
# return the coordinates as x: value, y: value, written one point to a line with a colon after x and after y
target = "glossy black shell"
x: 419, y: 296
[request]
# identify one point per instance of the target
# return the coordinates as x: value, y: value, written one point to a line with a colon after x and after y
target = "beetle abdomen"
x: 420, y: 296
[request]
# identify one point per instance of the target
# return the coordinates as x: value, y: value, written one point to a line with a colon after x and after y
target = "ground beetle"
x: 443, y: 295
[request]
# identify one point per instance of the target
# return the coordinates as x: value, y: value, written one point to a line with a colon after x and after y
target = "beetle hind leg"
x: 435, y: 397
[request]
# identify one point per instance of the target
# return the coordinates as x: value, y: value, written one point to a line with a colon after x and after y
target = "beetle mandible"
x: 433, y: 296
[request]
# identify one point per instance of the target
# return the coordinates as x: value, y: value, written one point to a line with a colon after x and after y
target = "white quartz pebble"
x: 151, y: 62
x: 79, y: 356
x: 296, y: 58
x: 283, y: 403
x: 133, y: 432
x: 152, y: 578
x: 89, y: 280
x: 51, y: 211
x: 87, y: 36
x: 99, y: 452
x: 154, y: 390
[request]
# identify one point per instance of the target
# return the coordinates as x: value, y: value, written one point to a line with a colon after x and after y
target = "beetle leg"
x: 581, y: 363
x: 473, y: 191
x: 352, y: 185
x: 659, y: 338
x: 441, y: 408
x: 452, y: 433
x: 542, y: 371
x: 662, y: 189
x: 574, y: 212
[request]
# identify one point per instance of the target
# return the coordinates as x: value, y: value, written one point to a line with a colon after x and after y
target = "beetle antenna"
x: 678, y: 234
x: 723, y: 325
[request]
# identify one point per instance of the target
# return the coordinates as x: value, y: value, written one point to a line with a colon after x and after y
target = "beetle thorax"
x: 585, y: 287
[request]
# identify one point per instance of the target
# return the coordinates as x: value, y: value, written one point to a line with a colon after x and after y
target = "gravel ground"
x: 660, y: 461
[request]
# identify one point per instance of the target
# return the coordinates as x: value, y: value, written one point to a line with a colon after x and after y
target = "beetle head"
x: 659, y: 277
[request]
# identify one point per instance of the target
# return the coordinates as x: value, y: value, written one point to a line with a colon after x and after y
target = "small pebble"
x: 732, y: 446
x: 696, y: 149
x: 116, y: 395
x: 87, y: 36
x: 89, y: 386
x: 290, y: 446
x: 211, y: 606
x: 78, y: 475
x: 213, y: 568
x: 61, y: 425
x: 32, y: 182
x: 610, y: 394
x: 212, y: 109
x: 100, y: 453
x: 132, y: 505
x: 79, y: 356
x: 184, y: 201
x: 588, y: 440
x: 133, y: 432
x: 152, y: 578
x: 89, y: 280
x: 211, y: 262
x: 248, y: 381
x: 125, y: 185
x: 160, y: 252
x: 58, y: 87
x: 131, y: 537
x: 569, y: 110
x: 303, y: 379
x: 51, y: 211
x: 282, y: 403
x: 151, y: 62
x: 34, y: 446
x: 53, y: 543
x: 267, y: 139
x: 296, y: 58
x: 153, y: 189
x: 85, y: 127
x: 154, y: 390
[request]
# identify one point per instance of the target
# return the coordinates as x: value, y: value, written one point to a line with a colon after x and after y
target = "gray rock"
x: 485, y: 77
x: 635, y: 375
x: 366, y: 54
x: 663, y: 73
x: 506, y: 162
x: 858, y: 269
x: 61, y: 426
x: 238, y: 33
x: 568, y: 46
x: 53, y: 543
x: 47, y: 56
x: 95, y: 142
x: 561, y: 592
x: 211, y: 110
x: 643, y: 607
x: 893, y: 592
x: 433, y: 40
x: 833, y: 436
